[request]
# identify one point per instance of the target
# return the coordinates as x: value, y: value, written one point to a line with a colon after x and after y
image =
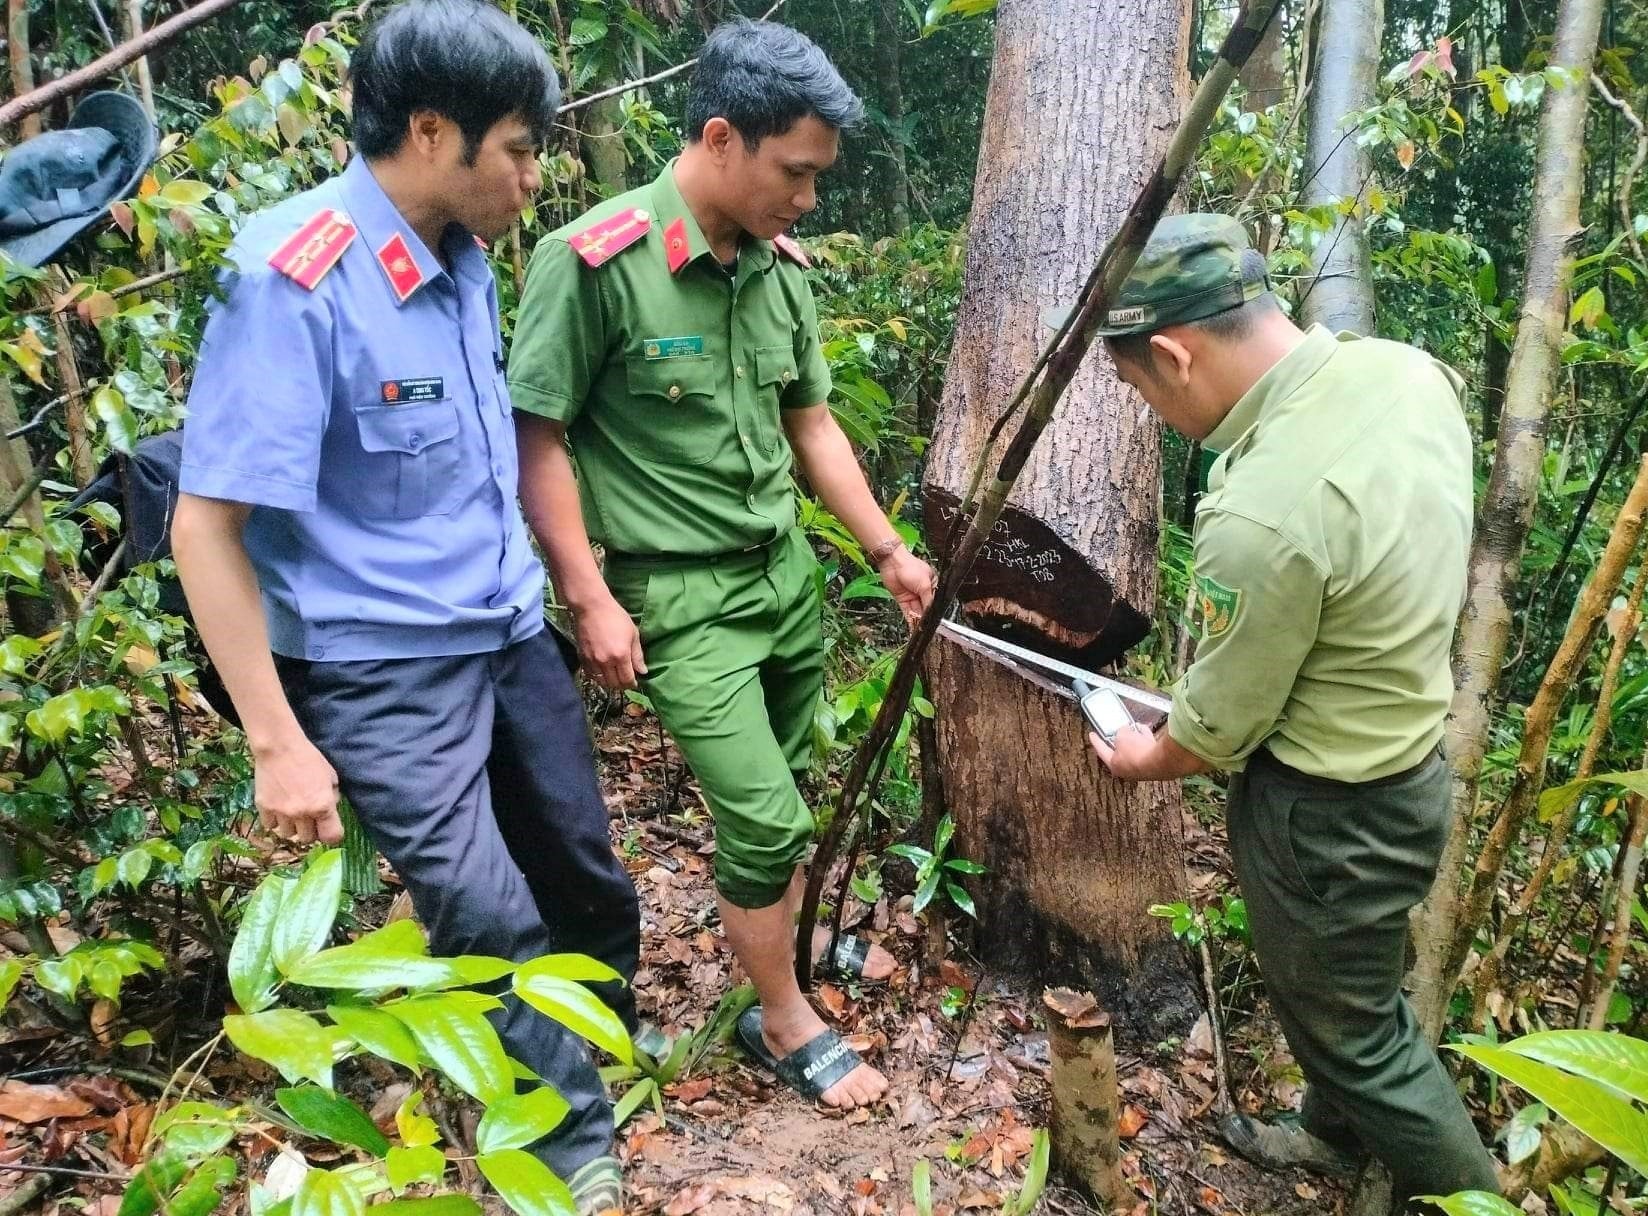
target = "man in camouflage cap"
x: 1330, y: 553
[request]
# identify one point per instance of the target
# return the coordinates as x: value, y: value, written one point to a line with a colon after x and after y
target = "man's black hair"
x: 763, y: 78
x: 464, y: 59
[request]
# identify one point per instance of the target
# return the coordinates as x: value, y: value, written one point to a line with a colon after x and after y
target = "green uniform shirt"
x: 671, y: 383
x: 1330, y: 557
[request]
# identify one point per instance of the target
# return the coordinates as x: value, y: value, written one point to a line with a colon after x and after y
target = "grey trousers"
x: 1329, y: 871
x: 475, y: 776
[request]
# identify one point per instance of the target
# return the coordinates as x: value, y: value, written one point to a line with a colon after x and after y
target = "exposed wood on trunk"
x: 1564, y: 1152
x: 1506, y: 512
x: 106, y: 65
x: 1538, y: 722
x: 1075, y: 857
x: 1264, y: 76
x: 1339, y: 293
x: 22, y: 67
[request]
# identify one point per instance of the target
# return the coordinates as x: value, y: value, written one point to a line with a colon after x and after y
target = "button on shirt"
x: 368, y: 423
x: 671, y: 383
x: 1330, y: 554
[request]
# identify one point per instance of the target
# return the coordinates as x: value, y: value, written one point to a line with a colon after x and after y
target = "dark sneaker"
x: 1284, y: 1145
x: 598, y: 1188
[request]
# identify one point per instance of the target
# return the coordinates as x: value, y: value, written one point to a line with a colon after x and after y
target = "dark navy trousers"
x: 475, y: 776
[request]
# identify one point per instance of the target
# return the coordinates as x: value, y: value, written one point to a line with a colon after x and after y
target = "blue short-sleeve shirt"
x: 367, y: 422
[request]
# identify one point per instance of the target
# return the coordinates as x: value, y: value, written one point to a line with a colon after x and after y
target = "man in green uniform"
x: 1330, y: 555
x: 669, y: 338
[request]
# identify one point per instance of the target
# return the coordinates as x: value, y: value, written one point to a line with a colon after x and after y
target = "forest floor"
x: 968, y: 1087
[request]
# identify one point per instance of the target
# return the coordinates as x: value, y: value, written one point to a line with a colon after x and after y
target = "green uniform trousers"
x: 734, y: 649
x: 1329, y: 871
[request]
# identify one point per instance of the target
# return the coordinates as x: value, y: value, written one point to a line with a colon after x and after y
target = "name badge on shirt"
x: 423, y: 388
x: 671, y: 348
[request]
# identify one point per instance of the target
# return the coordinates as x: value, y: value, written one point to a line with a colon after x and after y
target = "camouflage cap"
x: 1194, y: 266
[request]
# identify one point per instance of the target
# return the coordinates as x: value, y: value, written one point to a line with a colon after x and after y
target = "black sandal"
x: 848, y: 958
x: 810, y: 1069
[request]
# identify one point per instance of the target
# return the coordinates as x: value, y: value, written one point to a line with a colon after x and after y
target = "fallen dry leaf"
x: 690, y: 1199
x: 1305, y: 1191
x: 1132, y: 1119
x: 40, y: 1103
x: 690, y: 1091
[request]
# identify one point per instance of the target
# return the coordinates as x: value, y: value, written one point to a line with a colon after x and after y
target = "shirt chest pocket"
x: 774, y: 373
x: 409, y: 462
x: 674, y: 415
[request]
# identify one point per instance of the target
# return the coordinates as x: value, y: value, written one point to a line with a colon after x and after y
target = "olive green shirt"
x: 671, y: 383
x: 1330, y: 555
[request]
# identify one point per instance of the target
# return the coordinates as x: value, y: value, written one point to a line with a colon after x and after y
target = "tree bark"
x: 894, y: 179
x: 1264, y: 75
x: 22, y: 67
x: 1339, y: 294
x: 1083, y: 98
x: 603, y: 146
x: 1507, y: 509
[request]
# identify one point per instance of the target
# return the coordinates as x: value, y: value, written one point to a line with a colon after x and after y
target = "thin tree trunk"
x: 145, y: 79
x: 73, y: 385
x: 1339, y: 293
x: 1629, y: 868
x: 1506, y: 512
x: 1487, y: 975
x: 894, y: 179
x: 22, y: 67
x: 1075, y: 857
x: 603, y: 145
x: 1541, y: 716
x: 1264, y: 75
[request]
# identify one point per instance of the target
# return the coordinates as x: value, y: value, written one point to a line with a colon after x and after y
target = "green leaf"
x: 526, y: 1184
x: 961, y: 899
x: 307, y: 915
x: 138, y: 1038
x: 912, y: 853
x: 578, y: 1009
x: 423, y: 1163
x: 119, y: 423
x: 579, y: 968
x: 1035, y: 1174
x: 1616, y: 1060
x: 520, y: 1120
x: 195, y: 1129
x: 928, y: 888
x: 10, y: 972
x: 962, y: 866
x: 183, y: 193
x: 297, y: 1045
x: 1589, y: 308
x: 252, y: 973
x: 460, y: 1042
x: 365, y: 964
x: 379, y: 1033
x: 1592, y: 1108
x: 324, y: 1193
x: 153, y: 1183
x: 587, y: 30
x: 921, y: 1187
x: 333, y: 1116
x: 60, y: 976
x: 478, y: 968
x: 1522, y: 1133
x: 634, y: 1098
x: 1472, y: 1203
x: 203, y: 1191
x: 437, y: 1205
x: 134, y: 866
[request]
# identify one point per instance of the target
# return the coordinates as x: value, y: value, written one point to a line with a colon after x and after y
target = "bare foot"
x: 877, y: 966
x: 860, y: 1087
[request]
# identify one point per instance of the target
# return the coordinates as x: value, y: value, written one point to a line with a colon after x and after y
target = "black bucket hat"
x: 57, y: 184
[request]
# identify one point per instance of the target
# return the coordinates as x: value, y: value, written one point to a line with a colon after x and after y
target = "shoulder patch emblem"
x: 791, y: 248
x: 600, y: 243
x: 314, y: 249
x: 1217, y: 605
x: 676, y: 240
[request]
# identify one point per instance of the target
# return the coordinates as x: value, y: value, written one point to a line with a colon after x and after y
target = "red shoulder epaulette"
x: 601, y: 242
x: 790, y: 248
x: 314, y: 249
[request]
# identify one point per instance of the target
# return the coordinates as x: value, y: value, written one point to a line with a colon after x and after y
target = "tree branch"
x: 1635, y: 167
x: 152, y: 39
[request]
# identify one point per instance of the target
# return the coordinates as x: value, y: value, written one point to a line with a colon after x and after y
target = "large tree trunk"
x: 1508, y: 507
x: 1339, y: 293
x: 1083, y: 98
x: 1264, y: 75
x: 894, y: 179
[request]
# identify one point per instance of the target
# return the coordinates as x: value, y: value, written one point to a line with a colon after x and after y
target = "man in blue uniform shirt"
x: 353, y: 554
